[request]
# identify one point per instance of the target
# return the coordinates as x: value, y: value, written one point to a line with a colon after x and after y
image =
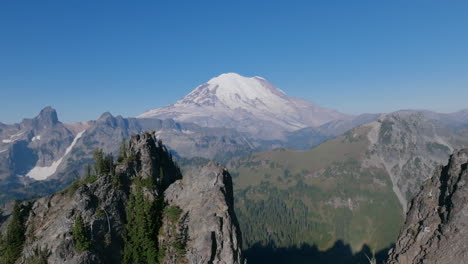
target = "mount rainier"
x: 251, y: 105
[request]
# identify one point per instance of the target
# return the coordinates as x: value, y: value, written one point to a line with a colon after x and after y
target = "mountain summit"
x: 251, y: 105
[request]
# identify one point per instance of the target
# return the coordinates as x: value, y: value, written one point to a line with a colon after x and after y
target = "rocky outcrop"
x: 206, y: 194
x: 198, y: 219
x: 436, y: 228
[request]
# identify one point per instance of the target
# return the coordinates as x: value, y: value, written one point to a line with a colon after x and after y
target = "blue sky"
x: 85, y: 57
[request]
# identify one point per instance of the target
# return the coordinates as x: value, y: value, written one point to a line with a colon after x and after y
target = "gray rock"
x: 206, y: 199
x: 409, y: 146
x: 436, y: 227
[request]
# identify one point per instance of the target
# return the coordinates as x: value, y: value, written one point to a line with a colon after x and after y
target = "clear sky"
x: 85, y: 57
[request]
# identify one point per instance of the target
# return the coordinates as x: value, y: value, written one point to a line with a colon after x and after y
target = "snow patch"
x: 17, y: 135
x: 13, y: 138
x: 36, y: 138
x: 188, y: 132
x: 3, y: 150
x: 42, y: 173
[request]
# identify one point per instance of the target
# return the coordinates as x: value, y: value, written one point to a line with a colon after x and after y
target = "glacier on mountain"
x: 251, y: 105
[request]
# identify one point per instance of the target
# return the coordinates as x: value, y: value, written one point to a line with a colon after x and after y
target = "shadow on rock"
x: 339, y: 253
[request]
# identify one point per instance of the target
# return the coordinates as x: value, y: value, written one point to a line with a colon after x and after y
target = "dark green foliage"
x: 80, y: 235
x: 143, y: 223
x: 123, y: 151
x: 13, y: 242
x: 103, y: 163
x: 145, y: 209
x: 2, y: 246
x: 40, y: 256
x: 344, y: 202
x: 89, y: 177
x: 70, y: 190
x: 172, y: 213
x: 176, y: 236
x: 100, y: 213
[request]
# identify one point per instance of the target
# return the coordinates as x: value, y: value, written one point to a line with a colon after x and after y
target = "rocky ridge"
x: 204, y: 228
x: 409, y: 146
x: 436, y: 229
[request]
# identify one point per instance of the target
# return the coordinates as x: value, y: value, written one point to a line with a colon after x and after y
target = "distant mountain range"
x: 43, y: 148
x: 303, y: 174
x: 228, y: 117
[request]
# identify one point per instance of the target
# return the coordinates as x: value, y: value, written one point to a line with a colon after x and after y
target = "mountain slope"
x: 250, y: 105
x: 33, y: 147
x: 136, y: 211
x: 436, y: 230
x: 352, y: 188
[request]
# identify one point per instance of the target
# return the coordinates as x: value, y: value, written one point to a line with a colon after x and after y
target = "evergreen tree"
x: 88, y: 171
x: 2, y: 247
x: 14, y: 239
x: 80, y: 235
x: 99, y: 163
x: 103, y: 164
x: 123, y: 151
x: 142, y: 227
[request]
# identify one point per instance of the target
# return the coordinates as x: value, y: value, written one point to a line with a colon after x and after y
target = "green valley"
x: 289, y: 198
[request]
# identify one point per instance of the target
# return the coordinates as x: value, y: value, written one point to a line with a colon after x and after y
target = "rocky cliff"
x: 216, y: 238
x: 138, y: 210
x: 436, y: 229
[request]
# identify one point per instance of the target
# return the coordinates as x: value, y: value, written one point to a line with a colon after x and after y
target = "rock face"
x: 409, y: 146
x: 216, y: 239
x: 35, y: 142
x: 436, y: 228
x: 203, y: 202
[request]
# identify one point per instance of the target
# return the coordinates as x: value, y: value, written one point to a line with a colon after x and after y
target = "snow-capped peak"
x: 246, y: 103
x: 251, y: 88
x: 235, y: 91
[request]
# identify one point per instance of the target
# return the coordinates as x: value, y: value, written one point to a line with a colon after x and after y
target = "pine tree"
x: 80, y: 235
x: 142, y: 228
x: 88, y: 171
x: 103, y: 163
x: 98, y: 161
x: 14, y: 239
x: 2, y: 247
x: 123, y: 151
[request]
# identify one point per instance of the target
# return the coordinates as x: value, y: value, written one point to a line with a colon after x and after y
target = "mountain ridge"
x: 139, y: 209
